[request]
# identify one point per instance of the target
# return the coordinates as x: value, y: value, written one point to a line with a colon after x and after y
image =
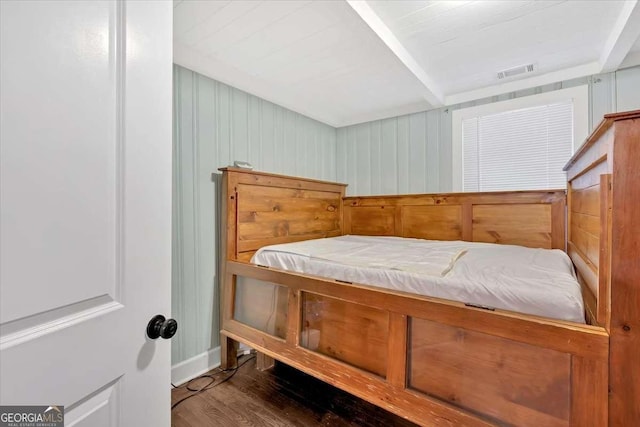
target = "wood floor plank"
x: 281, y: 396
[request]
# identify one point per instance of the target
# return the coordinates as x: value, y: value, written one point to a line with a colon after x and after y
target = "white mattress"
x: 525, y: 280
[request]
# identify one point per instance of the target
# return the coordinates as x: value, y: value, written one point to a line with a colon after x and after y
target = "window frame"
x: 579, y: 95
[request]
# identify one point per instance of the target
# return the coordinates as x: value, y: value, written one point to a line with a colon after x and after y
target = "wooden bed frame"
x: 440, y: 362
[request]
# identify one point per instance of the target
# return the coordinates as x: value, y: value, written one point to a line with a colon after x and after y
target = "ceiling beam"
x: 524, y: 84
x: 624, y: 34
x: 431, y: 92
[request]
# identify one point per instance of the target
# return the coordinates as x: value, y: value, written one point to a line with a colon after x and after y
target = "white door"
x: 85, y: 224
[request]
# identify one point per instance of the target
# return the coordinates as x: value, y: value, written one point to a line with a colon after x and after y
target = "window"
x: 520, y: 144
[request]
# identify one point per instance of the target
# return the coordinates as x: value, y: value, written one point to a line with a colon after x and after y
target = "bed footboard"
x: 431, y: 361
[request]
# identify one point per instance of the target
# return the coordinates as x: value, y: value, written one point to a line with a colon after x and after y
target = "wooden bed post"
x: 624, y: 363
x: 228, y: 353
x: 228, y: 346
x: 264, y: 362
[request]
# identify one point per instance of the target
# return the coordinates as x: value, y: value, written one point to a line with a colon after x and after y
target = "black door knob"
x: 159, y: 326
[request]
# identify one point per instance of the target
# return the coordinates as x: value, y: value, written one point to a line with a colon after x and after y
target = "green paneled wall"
x: 215, y: 124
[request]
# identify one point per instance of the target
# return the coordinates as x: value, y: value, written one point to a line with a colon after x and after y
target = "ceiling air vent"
x: 522, y: 69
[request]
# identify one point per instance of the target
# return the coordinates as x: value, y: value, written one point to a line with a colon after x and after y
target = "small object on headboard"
x: 242, y: 164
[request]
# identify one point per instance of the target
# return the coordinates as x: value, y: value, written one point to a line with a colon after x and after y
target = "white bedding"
x: 532, y: 281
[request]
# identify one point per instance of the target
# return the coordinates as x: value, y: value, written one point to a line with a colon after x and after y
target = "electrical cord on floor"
x: 213, y: 383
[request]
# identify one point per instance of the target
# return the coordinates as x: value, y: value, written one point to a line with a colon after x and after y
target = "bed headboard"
x: 527, y: 218
x: 591, y: 174
x: 266, y: 209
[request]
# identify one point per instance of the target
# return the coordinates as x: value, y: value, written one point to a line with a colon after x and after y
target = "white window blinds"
x: 521, y: 149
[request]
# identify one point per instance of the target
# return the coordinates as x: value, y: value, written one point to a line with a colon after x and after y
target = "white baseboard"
x: 197, y: 365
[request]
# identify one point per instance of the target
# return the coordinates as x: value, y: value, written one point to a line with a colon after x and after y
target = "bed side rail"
x: 429, y: 360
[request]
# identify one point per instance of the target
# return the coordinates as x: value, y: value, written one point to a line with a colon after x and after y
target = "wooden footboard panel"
x: 432, y: 361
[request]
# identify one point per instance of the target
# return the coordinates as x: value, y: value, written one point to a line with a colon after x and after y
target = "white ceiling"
x: 633, y: 58
x: 345, y: 62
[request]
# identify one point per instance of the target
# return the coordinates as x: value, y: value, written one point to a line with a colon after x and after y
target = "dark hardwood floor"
x: 281, y: 396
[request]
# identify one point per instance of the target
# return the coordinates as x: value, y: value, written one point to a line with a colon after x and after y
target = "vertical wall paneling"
x: 215, y: 124
x: 267, y: 133
x: 376, y: 159
x: 342, y: 155
x: 278, y: 138
x: 417, y: 152
x: 352, y: 157
x: 206, y: 231
x: 254, y: 132
x: 433, y: 151
x: 363, y: 160
x: 628, y: 89
x: 602, y: 93
x: 388, y: 156
x: 240, y: 126
x: 415, y: 149
x: 444, y: 151
x: 301, y: 139
x: 311, y: 151
x: 289, y: 140
x: 186, y: 284
x: 178, y: 342
x: 402, y: 168
x: 223, y: 130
